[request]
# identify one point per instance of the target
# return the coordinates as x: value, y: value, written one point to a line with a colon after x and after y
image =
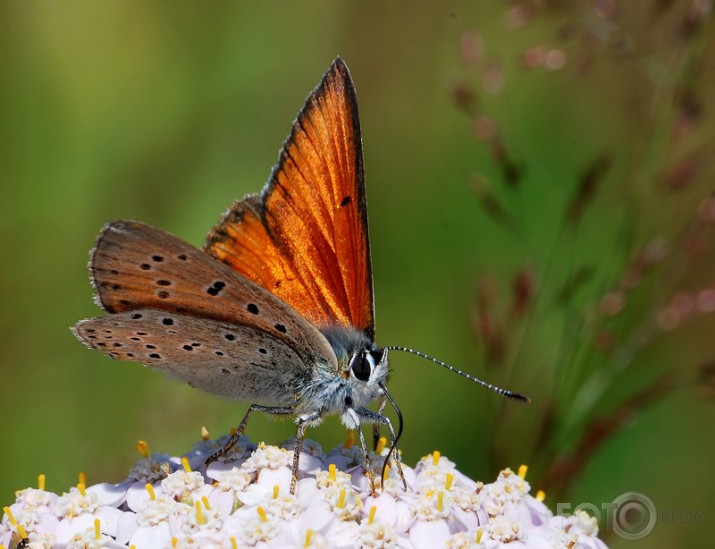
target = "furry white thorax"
x: 330, y: 392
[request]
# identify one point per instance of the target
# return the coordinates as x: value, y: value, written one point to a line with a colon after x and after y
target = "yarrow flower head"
x: 244, y: 499
x: 151, y: 467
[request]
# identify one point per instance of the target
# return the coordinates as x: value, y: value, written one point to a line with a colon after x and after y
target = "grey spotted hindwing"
x: 222, y: 358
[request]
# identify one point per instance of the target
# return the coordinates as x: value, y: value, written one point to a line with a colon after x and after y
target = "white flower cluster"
x: 244, y: 500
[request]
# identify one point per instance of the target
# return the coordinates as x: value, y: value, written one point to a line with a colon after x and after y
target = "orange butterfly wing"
x: 305, y: 237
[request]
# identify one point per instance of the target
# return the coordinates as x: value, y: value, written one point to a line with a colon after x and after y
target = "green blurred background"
x: 165, y: 112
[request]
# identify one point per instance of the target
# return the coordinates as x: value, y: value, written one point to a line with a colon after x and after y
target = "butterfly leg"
x: 303, y: 421
x: 366, y: 456
x: 376, y: 426
x: 355, y: 420
x: 375, y: 418
x: 238, y: 433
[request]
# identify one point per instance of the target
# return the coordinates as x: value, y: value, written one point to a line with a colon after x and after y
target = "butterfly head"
x: 366, y: 362
x: 362, y: 365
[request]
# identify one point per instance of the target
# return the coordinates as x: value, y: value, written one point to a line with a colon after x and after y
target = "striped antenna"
x: 504, y: 392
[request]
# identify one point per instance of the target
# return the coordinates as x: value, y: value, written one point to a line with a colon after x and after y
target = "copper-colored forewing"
x: 305, y: 237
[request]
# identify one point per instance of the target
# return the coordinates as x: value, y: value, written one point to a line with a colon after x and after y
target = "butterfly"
x: 277, y: 307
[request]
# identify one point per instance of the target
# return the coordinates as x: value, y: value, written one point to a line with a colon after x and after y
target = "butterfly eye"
x: 361, y: 364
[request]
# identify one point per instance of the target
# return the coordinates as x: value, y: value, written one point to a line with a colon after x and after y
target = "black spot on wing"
x: 216, y: 288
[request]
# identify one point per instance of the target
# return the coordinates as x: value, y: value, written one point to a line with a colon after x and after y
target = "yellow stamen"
x: 174, y: 541
x: 199, y: 513
x: 82, y: 478
x: 205, y: 501
x: 522, y: 471
x: 540, y: 495
x: 440, y: 501
x: 205, y: 435
x: 234, y: 545
x: 480, y: 533
x: 82, y: 489
x: 386, y: 474
x: 308, y: 536
x: 276, y: 489
x: 429, y: 493
x: 97, y: 531
x: 381, y: 445
x: 371, y: 518
x: 262, y: 514
x: 132, y: 547
x: 449, y: 480
x: 21, y: 530
x: 435, y: 458
x: 10, y: 516
x: 149, y: 488
x: 185, y: 464
x: 331, y: 472
x: 351, y: 439
x: 41, y: 481
x: 143, y: 448
x: 341, y: 499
